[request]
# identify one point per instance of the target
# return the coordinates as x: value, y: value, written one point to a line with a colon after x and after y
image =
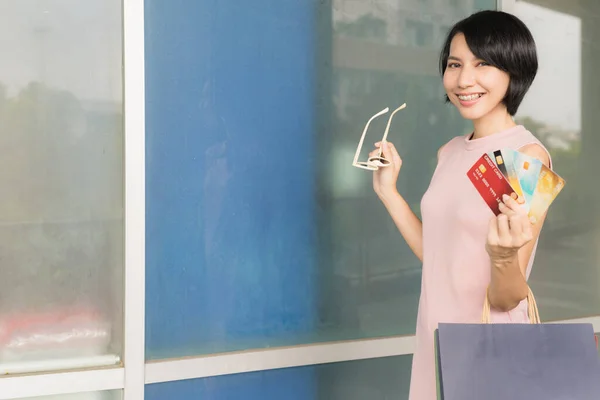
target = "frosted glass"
x: 61, y: 173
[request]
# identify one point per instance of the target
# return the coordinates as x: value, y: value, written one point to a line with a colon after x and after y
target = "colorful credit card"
x: 504, y: 159
x: 548, y: 187
x: 528, y: 172
x: 490, y: 182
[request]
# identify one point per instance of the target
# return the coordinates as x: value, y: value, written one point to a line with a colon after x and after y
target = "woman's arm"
x: 510, y: 243
x: 406, y: 221
x: 384, y: 184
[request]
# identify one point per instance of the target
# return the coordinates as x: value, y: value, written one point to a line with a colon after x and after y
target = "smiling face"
x: 472, y: 85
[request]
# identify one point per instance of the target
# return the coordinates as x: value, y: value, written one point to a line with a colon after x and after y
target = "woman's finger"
x: 385, y: 151
x: 493, y: 238
x: 395, y: 157
x: 512, y: 204
x: 503, y: 229
x: 504, y: 209
x: 527, y: 231
x: 516, y: 226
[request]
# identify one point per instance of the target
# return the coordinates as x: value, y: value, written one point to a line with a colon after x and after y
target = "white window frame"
x: 506, y: 5
x: 135, y: 198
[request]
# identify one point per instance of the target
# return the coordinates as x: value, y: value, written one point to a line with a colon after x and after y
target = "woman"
x: 488, y: 63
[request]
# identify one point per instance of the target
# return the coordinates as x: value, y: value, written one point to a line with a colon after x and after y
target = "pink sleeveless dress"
x: 456, y: 266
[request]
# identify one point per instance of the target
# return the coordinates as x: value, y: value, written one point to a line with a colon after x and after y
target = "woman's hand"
x: 508, y: 232
x: 384, y: 179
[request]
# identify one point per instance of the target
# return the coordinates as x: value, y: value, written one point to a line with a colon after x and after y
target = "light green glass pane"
x: 384, y: 54
x: 562, y: 110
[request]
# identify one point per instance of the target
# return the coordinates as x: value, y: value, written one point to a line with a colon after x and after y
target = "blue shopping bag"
x: 517, y: 361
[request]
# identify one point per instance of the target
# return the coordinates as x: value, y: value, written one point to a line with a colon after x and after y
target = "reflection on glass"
x: 61, y: 209
x: 383, y: 53
x: 566, y: 275
x: 376, y: 379
x: 259, y: 231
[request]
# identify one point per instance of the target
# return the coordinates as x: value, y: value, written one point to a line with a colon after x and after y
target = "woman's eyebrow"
x: 454, y: 58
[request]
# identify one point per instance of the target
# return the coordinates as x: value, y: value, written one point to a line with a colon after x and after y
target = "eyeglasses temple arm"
x: 362, y: 138
x: 387, y: 129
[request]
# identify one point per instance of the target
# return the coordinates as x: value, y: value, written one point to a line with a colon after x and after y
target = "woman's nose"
x: 466, y: 78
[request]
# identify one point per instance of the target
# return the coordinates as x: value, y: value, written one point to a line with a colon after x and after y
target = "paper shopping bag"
x: 517, y: 361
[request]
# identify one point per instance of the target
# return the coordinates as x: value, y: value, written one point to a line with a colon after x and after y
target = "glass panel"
x: 562, y: 110
x: 259, y: 231
x: 61, y: 170
x: 106, y: 395
x: 376, y: 379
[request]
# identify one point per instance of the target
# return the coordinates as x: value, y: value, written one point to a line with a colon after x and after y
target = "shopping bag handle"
x: 532, y: 309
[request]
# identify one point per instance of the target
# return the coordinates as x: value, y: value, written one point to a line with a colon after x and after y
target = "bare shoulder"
x: 536, y: 151
x: 440, y: 150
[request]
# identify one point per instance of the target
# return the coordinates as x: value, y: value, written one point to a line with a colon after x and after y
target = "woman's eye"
x: 453, y: 65
x: 484, y: 64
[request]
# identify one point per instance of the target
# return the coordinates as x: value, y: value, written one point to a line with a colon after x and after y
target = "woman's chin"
x: 471, y: 114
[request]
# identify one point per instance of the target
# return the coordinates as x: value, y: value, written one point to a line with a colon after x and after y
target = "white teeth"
x: 470, y: 97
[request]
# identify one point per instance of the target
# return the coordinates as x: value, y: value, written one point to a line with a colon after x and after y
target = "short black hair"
x: 503, y: 41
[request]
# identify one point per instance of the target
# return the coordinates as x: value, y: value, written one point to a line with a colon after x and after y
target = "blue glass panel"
x: 230, y: 181
x: 376, y: 379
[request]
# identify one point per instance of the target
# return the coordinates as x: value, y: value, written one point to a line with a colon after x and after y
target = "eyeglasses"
x: 374, y: 163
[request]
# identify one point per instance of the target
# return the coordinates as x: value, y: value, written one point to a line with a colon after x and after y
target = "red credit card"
x: 490, y: 182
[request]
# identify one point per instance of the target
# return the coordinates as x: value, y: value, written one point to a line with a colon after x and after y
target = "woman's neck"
x: 495, y: 121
